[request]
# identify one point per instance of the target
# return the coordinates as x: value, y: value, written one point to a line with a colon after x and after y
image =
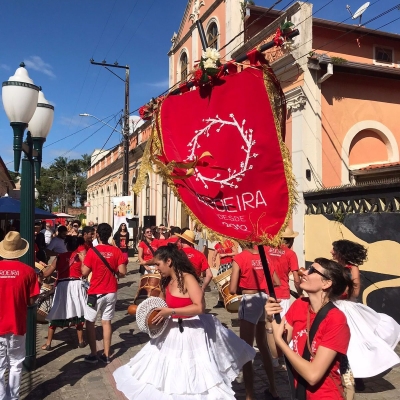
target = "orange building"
x: 342, y: 85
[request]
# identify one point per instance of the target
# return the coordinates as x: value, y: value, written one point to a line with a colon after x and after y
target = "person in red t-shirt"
x: 325, y: 281
x: 18, y: 288
x: 70, y: 297
x: 102, y: 293
x: 285, y: 263
x: 198, y: 259
x: 146, y: 250
x: 248, y: 276
x: 225, y: 250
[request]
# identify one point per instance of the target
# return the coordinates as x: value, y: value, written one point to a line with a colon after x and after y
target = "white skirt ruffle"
x: 373, y: 339
x: 69, y: 301
x: 199, y: 364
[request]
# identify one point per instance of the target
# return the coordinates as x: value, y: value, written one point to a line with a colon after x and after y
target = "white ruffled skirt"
x: 373, y: 339
x: 199, y: 364
x: 69, y: 301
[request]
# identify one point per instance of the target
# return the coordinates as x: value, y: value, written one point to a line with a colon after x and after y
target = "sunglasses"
x: 148, y: 232
x: 75, y: 226
x: 312, y: 269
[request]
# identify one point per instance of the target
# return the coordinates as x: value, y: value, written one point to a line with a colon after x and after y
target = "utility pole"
x: 125, y: 165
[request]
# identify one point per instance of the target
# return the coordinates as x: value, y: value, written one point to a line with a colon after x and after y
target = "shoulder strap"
x: 302, y: 384
x: 150, y: 248
x: 105, y: 262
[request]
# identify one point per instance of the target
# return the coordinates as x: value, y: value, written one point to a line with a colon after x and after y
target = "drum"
x: 231, y: 301
x: 149, y: 286
x: 44, y: 302
x: 221, y: 279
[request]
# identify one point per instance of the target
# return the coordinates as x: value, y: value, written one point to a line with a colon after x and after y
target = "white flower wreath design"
x: 234, y: 176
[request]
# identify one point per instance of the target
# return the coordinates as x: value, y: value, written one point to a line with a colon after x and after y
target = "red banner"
x: 221, y: 147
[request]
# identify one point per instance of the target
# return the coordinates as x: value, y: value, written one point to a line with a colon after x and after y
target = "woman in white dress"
x: 374, y: 336
x: 195, y: 357
x: 70, y: 295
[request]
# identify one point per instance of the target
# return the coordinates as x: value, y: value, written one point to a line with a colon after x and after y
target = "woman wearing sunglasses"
x: 146, y: 249
x: 374, y: 336
x: 316, y: 376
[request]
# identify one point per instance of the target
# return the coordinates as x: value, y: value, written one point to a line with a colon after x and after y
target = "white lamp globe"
x: 42, y: 120
x: 20, y: 96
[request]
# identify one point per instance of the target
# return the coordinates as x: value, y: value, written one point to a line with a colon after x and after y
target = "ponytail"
x: 340, y: 277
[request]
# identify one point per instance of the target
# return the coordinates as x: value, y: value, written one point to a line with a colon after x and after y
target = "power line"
x: 122, y: 28
x: 137, y: 27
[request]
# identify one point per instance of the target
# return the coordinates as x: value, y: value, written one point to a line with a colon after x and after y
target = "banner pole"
x: 277, y: 317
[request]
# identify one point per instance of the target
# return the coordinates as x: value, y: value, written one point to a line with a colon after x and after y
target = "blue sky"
x: 56, y: 39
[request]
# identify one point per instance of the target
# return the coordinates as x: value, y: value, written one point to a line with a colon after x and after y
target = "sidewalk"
x: 62, y: 373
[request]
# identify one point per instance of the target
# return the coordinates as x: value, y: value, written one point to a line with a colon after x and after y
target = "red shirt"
x: 69, y: 265
x: 18, y: 283
x: 333, y: 333
x: 226, y: 247
x: 285, y: 262
x: 147, y: 254
x: 251, y: 271
x: 197, y: 258
x: 103, y: 281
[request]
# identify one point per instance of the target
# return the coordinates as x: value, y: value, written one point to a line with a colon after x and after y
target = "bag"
x: 92, y: 300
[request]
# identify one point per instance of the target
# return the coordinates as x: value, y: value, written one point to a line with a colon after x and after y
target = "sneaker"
x: 105, y: 359
x: 91, y: 359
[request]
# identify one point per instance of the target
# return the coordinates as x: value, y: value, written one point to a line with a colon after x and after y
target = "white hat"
x: 143, y: 313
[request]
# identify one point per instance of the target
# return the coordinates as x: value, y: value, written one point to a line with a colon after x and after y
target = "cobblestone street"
x: 62, y: 373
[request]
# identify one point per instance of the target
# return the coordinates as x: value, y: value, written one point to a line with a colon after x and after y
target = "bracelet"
x: 173, y: 312
x: 269, y: 330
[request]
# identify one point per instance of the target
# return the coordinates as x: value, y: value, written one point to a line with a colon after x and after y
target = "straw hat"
x: 188, y: 235
x: 13, y: 246
x: 144, y: 316
x: 289, y: 233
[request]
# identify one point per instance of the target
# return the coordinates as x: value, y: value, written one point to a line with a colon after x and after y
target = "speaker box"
x: 133, y: 222
x: 149, y: 220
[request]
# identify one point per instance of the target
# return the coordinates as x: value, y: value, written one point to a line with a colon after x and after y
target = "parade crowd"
x: 327, y: 340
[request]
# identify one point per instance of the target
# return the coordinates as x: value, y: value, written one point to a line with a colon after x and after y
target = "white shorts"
x: 106, y: 306
x: 285, y: 304
x: 252, y: 307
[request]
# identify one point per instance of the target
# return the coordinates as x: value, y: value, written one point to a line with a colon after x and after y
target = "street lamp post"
x: 26, y: 106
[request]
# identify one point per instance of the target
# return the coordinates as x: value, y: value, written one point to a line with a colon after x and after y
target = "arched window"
x: 212, y: 36
x: 164, y: 203
x: 184, y: 67
x: 147, y: 195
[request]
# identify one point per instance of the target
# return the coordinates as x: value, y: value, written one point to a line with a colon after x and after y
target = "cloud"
x: 5, y: 67
x: 74, y: 121
x: 160, y: 84
x: 36, y: 63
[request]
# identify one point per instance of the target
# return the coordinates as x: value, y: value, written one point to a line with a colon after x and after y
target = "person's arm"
x: 275, y: 279
x: 355, y: 276
x: 296, y: 280
x: 48, y: 271
x: 196, y: 296
x: 85, y: 270
x: 233, y: 284
x: 122, y: 269
x: 207, y: 276
x: 140, y: 256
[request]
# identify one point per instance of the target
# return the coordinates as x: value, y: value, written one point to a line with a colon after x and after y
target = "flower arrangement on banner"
x: 209, y: 66
x: 146, y: 112
x: 281, y: 34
